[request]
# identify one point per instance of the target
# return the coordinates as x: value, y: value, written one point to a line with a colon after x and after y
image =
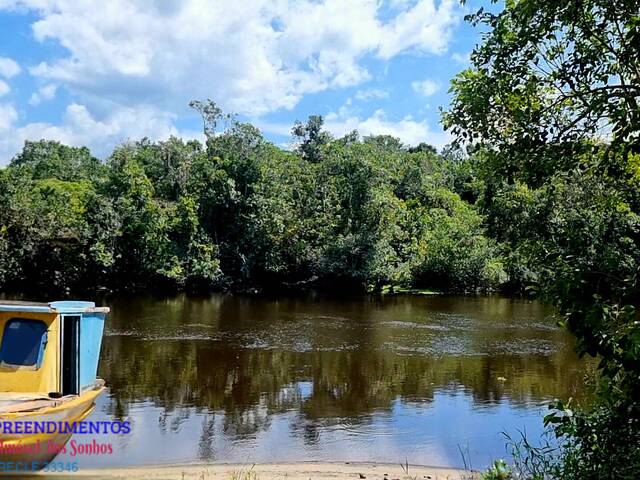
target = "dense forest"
x: 240, y: 212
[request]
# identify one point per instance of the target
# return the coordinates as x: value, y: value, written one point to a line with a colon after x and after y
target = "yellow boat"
x: 49, y: 356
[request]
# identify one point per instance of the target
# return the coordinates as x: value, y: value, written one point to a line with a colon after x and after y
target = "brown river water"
x: 421, y: 379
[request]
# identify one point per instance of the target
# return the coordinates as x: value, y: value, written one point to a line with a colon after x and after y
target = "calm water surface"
x: 245, y: 379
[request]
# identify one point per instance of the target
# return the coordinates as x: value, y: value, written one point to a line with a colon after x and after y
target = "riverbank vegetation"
x: 239, y: 212
x: 550, y: 106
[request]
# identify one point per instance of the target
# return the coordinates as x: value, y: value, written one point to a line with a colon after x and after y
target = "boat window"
x: 23, y: 343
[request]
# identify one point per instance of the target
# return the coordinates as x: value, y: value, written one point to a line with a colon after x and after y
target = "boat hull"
x: 32, y: 452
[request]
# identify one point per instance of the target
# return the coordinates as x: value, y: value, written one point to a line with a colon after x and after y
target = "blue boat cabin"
x: 50, y: 348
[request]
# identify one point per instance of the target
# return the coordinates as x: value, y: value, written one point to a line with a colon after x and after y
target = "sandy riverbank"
x: 275, y: 471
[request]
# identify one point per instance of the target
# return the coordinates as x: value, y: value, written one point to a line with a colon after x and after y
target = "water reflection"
x: 231, y: 378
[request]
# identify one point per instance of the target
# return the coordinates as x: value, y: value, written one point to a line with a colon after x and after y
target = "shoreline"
x: 273, y: 471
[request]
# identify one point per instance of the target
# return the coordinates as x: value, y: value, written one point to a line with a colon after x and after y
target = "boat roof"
x: 64, y: 306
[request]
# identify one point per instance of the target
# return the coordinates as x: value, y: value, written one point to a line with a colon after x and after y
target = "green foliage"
x: 211, y: 114
x: 550, y: 106
x: 240, y: 213
x: 498, y: 471
x: 311, y: 138
x: 454, y: 250
x: 603, y: 443
x: 49, y: 159
x: 548, y: 78
x: 44, y: 227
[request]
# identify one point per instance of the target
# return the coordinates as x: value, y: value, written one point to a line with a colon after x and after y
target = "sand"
x: 275, y: 471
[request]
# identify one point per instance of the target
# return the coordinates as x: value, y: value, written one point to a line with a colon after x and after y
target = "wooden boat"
x: 48, y: 364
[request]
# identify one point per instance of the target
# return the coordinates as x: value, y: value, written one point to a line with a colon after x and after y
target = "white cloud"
x: 253, y: 56
x: 274, y: 128
x: 371, y: 94
x: 8, y: 116
x: 44, y: 93
x: 461, y: 58
x: 8, y: 67
x: 407, y: 129
x: 424, y: 28
x: 425, y: 88
x: 346, y: 110
x: 4, y: 88
x: 80, y: 128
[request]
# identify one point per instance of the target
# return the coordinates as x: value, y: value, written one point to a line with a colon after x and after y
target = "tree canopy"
x: 240, y: 212
x: 549, y: 110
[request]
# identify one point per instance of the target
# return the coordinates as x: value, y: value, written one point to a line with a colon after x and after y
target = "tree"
x: 311, y: 138
x: 548, y: 79
x: 56, y: 229
x: 423, y: 147
x: 239, y: 212
x: 50, y: 159
x: 387, y: 143
x: 212, y: 115
x: 167, y: 164
x: 550, y: 106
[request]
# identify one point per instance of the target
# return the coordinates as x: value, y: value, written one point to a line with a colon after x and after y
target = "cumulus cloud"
x: 78, y: 127
x: 407, y: 129
x: 371, y: 94
x: 8, y: 67
x: 4, y: 88
x: 409, y: 31
x: 426, y: 88
x: 8, y: 116
x: 461, y: 58
x: 253, y: 57
x: 44, y: 93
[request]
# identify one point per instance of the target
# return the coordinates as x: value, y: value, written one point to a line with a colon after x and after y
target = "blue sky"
x: 101, y: 73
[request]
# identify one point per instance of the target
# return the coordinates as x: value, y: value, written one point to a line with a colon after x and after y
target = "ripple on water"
x: 122, y: 333
x: 198, y: 325
x: 179, y: 337
x: 412, y: 325
x: 527, y: 347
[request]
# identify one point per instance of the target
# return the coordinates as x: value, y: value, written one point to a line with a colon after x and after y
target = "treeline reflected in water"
x: 332, y: 361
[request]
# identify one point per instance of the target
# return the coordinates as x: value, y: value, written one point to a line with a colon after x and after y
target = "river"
x: 423, y: 379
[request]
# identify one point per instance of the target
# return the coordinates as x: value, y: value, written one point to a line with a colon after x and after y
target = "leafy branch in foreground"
x: 550, y: 109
